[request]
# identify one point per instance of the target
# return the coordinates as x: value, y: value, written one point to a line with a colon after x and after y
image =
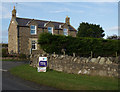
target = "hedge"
x: 82, y: 46
x: 4, y: 52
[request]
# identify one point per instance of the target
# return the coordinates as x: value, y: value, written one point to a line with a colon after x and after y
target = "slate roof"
x: 41, y: 23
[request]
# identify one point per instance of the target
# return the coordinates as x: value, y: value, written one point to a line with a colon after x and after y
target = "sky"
x: 104, y: 14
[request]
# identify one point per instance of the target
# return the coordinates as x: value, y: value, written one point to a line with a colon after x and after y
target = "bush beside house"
x: 82, y: 46
x: 4, y: 52
x: 7, y: 56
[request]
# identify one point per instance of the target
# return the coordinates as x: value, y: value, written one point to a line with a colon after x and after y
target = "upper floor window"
x: 65, y: 32
x: 33, y: 29
x: 50, y: 30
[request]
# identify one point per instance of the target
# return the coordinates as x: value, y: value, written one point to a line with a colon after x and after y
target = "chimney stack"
x: 67, y: 20
x: 14, y: 13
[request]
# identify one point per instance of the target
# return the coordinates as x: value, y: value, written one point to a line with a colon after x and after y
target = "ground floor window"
x: 34, y: 45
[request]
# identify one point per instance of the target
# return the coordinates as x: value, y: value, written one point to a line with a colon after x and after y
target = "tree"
x: 90, y: 30
x: 114, y: 37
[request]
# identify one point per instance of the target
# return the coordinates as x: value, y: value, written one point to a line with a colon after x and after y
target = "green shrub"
x: 22, y: 56
x: 4, y: 45
x: 4, y: 52
x: 82, y: 46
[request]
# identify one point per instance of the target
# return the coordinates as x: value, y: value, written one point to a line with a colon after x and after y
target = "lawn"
x: 15, y: 60
x: 65, y: 81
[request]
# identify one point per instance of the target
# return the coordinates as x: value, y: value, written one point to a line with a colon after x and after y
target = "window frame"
x: 35, y: 29
x: 65, y: 31
x: 51, y: 30
x: 35, y: 43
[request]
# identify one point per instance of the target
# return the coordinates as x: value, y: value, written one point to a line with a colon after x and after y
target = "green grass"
x: 65, y: 81
x: 14, y: 60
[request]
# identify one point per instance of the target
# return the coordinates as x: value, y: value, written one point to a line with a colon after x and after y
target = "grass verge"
x: 65, y: 81
x: 14, y: 60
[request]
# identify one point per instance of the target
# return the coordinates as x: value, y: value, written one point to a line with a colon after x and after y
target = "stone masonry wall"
x: 102, y: 66
x: 12, y: 35
x: 24, y: 35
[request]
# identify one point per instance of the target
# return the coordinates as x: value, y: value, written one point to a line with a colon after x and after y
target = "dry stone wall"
x: 102, y: 66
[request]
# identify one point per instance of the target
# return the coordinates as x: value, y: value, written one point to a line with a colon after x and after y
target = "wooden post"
x: 116, y: 54
x: 64, y: 52
x: 73, y: 54
x: 91, y: 54
x: 54, y: 54
x: 117, y: 59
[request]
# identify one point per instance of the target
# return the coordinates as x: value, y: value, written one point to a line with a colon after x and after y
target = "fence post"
x: 54, y: 54
x: 116, y: 54
x: 117, y: 59
x: 91, y: 54
x: 64, y: 52
x: 73, y: 54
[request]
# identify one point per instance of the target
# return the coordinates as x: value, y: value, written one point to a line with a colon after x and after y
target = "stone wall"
x: 102, y: 66
x: 12, y: 37
x: 24, y: 34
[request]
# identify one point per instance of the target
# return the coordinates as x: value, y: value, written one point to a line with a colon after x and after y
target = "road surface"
x: 10, y: 82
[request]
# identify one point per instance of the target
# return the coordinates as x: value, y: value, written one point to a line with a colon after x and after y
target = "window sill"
x: 34, y: 49
x: 33, y: 34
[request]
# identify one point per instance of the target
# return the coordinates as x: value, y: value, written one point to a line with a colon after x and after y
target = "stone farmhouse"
x: 23, y: 33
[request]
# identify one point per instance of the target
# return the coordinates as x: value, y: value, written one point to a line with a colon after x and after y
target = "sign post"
x: 42, y: 65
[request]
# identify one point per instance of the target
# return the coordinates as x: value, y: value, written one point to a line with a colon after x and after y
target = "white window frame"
x: 44, y: 24
x: 66, y: 32
x: 60, y: 26
x: 33, y: 29
x: 35, y: 45
x: 52, y: 29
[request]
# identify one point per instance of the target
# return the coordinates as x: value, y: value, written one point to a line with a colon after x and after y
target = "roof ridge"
x: 41, y: 20
x: 25, y: 21
x: 73, y: 27
x: 57, y: 22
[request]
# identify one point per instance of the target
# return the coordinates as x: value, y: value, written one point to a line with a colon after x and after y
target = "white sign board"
x: 42, y: 61
x: 42, y: 58
x: 41, y: 69
x: 42, y: 64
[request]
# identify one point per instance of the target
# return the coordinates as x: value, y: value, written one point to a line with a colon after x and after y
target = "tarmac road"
x: 10, y: 82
